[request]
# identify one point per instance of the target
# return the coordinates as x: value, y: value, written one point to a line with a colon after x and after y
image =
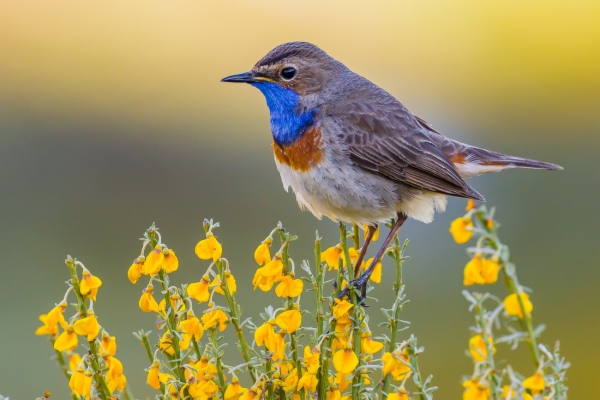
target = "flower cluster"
x: 98, y: 374
x: 325, y: 353
x: 488, y: 258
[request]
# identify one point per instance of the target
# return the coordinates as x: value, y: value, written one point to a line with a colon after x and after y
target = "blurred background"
x: 112, y: 117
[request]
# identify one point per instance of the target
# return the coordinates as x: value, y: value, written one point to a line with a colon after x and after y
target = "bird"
x: 352, y: 152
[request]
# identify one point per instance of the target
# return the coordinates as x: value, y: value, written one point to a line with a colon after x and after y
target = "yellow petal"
x: 154, y: 261
x: 209, y: 248
x: 66, y: 341
x: 88, y: 283
x: 513, y: 307
x: 461, y: 229
x: 472, y: 272
x: 370, y: 346
x: 170, y: 262
x: 147, y: 302
x: 199, y: 290
x: 135, y: 271
x: 262, y: 254
x: 331, y: 256
x: 289, y: 321
x: 87, y: 326
x: 344, y: 361
x: 153, y: 379
x: 478, y: 349
x: 489, y: 270
x: 536, y: 383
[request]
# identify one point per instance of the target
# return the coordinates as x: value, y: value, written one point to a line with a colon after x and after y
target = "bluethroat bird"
x: 351, y: 152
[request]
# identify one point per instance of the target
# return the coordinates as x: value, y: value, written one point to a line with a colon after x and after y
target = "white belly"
x: 345, y: 192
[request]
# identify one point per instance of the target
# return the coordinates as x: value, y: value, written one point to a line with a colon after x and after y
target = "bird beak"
x: 245, y: 77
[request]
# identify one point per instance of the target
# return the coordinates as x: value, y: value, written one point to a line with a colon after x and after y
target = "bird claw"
x: 361, y: 284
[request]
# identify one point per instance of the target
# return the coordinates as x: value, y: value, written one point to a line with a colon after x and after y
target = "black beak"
x: 245, y: 77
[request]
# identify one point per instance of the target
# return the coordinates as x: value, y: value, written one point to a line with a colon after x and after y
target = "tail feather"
x: 472, y: 161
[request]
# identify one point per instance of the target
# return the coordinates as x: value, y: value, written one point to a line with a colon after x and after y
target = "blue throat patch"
x: 287, y: 125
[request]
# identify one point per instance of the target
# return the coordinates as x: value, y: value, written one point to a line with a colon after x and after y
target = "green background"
x: 112, y: 117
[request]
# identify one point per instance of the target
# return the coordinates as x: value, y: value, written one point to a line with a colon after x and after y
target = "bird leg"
x: 361, y: 282
x: 363, y: 251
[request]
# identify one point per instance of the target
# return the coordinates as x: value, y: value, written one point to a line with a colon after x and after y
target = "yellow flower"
x: 474, y: 390
x: 311, y: 359
x: 481, y: 271
x: 333, y: 393
x: 229, y: 280
x: 340, y: 310
x: 262, y: 254
x: 266, y: 276
x: 289, y: 320
x: 175, y: 300
x: 154, y: 261
x: 74, y: 360
x: 209, y: 248
x: 400, y: 394
x: 331, y: 256
x: 114, y: 376
x: 375, y: 235
x: 342, y: 381
x: 135, y: 271
x: 89, y: 284
x: 266, y: 334
x: 369, y: 346
x: 81, y: 382
x: 461, y: 229
x: 205, y: 367
x: 489, y: 269
x: 289, y: 287
x: 166, y: 343
x: 199, y: 290
x: 251, y: 394
x: 376, y: 275
x: 108, y: 345
x: 153, y: 378
x: 66, y: 341
x: 344, y: 361
x: 214, y: 317
x: 87, y: 326
x: 44, y: 329
x: 234, y: 390
x: 526, y: 396
x: 308, y: 382
x: 192, y: 327
x: 478, y: 349
x: 291, y: 381
x: 52, y: 319
x: 512, y: 306
x: 508, y: 393
x: 147, y: 302
x: 536, y: 383
x: 170, y: 262
x: 470, y: 205
x: 396, y: 363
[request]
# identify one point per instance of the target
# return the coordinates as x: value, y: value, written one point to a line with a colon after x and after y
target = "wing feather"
x: 388, y: 140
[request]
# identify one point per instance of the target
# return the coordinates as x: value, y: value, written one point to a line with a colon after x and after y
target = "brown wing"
x: 388, y: 140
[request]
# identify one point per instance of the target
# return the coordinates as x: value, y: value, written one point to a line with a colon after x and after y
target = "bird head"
x: 293, y: 76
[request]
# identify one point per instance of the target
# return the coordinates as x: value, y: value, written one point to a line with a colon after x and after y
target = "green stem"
x: 146, y: 344
x: 61, y: 360
x: 220, y: 373
x: 489, y: 345
x: 356, y: 380
x: 235, y: 321
x: 356, y: 236
x: 98, y: 375
x: 512, y: 285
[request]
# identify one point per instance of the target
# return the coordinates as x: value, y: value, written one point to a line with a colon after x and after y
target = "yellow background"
x: 112, y: 117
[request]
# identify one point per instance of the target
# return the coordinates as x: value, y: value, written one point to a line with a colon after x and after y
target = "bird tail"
x: 471, y: 161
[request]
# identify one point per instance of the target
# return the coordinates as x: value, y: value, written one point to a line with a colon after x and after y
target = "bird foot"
x: 360, y: 284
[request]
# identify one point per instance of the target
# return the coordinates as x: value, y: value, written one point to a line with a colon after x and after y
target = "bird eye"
x: 288, y: 73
